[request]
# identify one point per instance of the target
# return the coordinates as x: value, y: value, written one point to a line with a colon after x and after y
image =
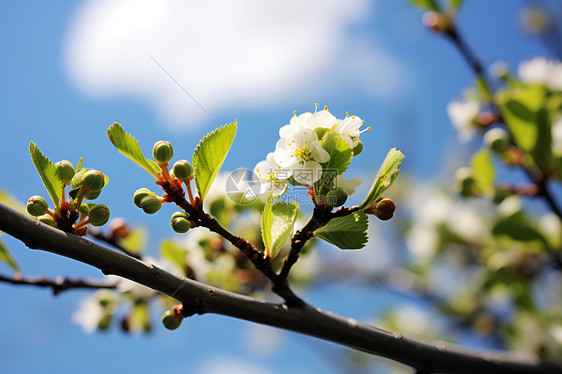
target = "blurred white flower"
x: 557, y: 137
x: 463, y: 115
x: 348, y: 185
x: 301, y: 154
x: 541, y: 71
x: 91, y: 311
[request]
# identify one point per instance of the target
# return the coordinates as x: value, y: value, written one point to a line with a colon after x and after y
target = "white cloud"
x: 226, y: 54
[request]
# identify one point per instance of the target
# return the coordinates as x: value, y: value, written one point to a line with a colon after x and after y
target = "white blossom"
x: 541, y: 71
x: 463, y: 115
x: 301, y: 155
x: 308, y: 120
x: 348, y: 185
x: 349, y: 129
x: 272, y: 177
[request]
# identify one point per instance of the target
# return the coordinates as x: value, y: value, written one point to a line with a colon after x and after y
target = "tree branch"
x: 199, y: 298
x: 59, y: 284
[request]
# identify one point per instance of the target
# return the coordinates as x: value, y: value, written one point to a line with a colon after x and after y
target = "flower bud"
x: 140, y: 194
x: 78, y: 178
x: 180, y: 215
x: 92, y: 195
x: 180, y: 225
x: 150, y: 204
x: 85, y: 208
x: 46, y: 219
x: 65, y: 171
x: 81, y: 231
x: 37, y: 206
x: 118, y: 228
x: 99, y: 214
x: 336, y: 197
x: 358, y: 148
x: 162, y: 151
x: 93, y: 181
x: 438, y: 22
x: 182, y: 170
x: 497, y: 139
x: 383, y: 209
x: 465, y: 184
x: 171, y: 320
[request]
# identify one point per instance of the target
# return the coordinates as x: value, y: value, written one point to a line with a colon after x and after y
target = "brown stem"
x: 59, y: 284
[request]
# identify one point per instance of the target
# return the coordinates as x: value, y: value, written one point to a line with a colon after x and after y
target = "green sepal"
x: 210, y: 155
x: 129, y: 147
x: 47, y: 172
x: 385, y: 177
x: 347, y: 232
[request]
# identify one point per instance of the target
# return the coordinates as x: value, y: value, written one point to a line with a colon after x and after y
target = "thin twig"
x: 58, y: 284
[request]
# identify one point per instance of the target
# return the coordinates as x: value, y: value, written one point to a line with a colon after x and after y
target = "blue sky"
x: 53, y: 95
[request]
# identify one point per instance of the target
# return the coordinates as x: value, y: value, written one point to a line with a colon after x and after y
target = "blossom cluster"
x: 299, y: 155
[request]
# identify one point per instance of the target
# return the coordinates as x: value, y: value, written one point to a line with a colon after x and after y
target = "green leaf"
x: 385, y: 177
x: 7, y: 199
x: 173, y: 253
x: 347, y: 232
x: 426, y: 4
x: 278, y: 221
x: 455, y: 5
x: 340, y: 159
x: 521, y: 122
x: 79, y: 165
x: 210, y: 155
x: 129, y: 147
x: 48, y: 174
x: 518, y: 227
x: 266, y: 225
x: 7, y: 258
x: 483, y: 169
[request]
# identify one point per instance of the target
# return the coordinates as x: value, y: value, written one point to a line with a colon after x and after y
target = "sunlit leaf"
x: 385, y: 177
x: 210, y: 155
x: 483, y: 169
x: 340, y: 159
x: 7, y: 258
x: 48, y: 174
x: 347, y: 232
x: 129, y: 147
x: 173, y: 253
x: 278, y: 221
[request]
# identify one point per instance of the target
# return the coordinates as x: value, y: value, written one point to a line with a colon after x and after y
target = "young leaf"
x: 129, y: 147
x: 385, y: 177
x: 483, y: 168
x: 173, y: 253
x: 210, y: 155
x: 426, y: 4
x: 347, y: 232
x: 340, y: 159
x: 7, y: 199
x: 79, y: 165
x: 266, y: 225
x: 7, y: 258
x: 455, y: 5
x: 278, y: 221
x: 48, y: 174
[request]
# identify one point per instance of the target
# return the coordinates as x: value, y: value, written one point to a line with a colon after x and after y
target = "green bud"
x: 180, y: 225
x: 46, y: 219
x: 37, y: 206
x: 78, y: 178
x: 321, y: 131
x: 336, y: 197
x: 358, y: 148
x: 498, y: 139
x: 465, y: 183
x: 85, y: 208
x: 105, y: 321
x: 384, y: 209
x: 99, y: 214
x: 92, y: 195
x: 150, y: 204
x: 162, y: 151
x: 171, y: 320
x: 180, y: 215
x: 93, y: 181
x: 182, y: 170
x: 140, y: 194
x: 65, y: 171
